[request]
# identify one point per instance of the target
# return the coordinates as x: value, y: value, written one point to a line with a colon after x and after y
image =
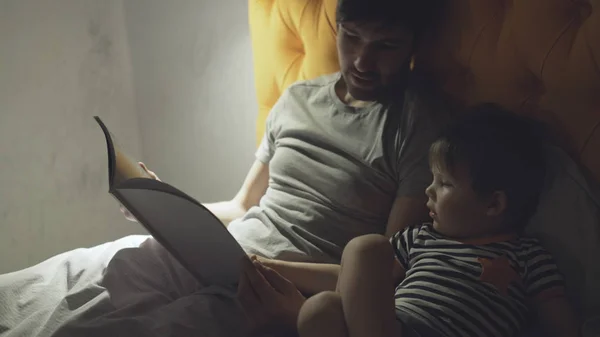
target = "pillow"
x: 567, y: 223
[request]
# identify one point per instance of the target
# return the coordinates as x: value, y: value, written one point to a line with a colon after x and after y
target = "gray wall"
x: 192, y: 66
x: 172, y: 79
x: 61, y: 62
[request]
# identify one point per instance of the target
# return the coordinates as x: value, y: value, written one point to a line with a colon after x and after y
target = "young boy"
x: 469, y: 273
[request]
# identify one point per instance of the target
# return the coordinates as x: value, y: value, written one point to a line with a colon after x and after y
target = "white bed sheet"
x: 152, y: 295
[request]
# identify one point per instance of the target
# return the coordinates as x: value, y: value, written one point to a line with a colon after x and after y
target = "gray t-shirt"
x: 335, y: 171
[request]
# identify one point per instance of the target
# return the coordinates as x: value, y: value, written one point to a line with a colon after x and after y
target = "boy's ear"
x: 497, y: 204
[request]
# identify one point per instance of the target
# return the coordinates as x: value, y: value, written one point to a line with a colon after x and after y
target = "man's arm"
x: 558, y: 318
x: 406, y: 211
x: 254, y: 187
x: 312, y: 278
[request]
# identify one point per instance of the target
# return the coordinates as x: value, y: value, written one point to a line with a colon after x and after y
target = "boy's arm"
x: 545, y: 287
x: 558, y: 317
x: 313, y: 278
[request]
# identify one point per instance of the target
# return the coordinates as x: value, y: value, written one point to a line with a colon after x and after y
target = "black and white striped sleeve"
x: 402, y: 242
x: 542, y: 279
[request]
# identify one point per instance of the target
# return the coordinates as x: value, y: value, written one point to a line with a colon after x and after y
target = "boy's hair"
x: 502, y: 151
x: 414, y: 15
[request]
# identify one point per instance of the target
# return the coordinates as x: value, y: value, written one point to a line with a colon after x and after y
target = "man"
x: 343, y: 155
x: 347, y: 152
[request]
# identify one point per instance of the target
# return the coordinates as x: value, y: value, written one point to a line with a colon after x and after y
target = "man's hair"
x: 502, y: 152
x: 415, y: 16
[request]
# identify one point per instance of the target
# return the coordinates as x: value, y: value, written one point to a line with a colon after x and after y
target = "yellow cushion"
x: 537, y: 57
x: 292, y: 40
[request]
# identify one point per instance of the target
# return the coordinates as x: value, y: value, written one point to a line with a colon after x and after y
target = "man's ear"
x: 497, y: 204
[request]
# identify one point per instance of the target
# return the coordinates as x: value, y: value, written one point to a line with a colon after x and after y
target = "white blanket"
x: 129, y: 287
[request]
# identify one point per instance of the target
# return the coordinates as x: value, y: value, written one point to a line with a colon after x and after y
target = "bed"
x: 536, y: 57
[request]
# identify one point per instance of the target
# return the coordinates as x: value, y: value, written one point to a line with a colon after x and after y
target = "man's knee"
x: 371, y: 245
x: 323, y: 308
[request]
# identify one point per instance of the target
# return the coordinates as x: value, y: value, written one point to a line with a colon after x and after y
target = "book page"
x: 126, y: 168
x: 189, y: 231
x: 120, y: 167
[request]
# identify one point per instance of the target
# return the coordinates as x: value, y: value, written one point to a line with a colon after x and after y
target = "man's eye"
x: 392, y: 45
x: 351, y: 36
x: 389, y: 46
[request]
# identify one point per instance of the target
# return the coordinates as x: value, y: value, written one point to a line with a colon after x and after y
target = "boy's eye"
x: 445, y: 184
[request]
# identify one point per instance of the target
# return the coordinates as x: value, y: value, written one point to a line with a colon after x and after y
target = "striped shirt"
x: 472, y: 288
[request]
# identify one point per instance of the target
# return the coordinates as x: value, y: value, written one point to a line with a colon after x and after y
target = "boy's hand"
x: 558, y: 317
x: 270, y: 301
x: 124, y: 210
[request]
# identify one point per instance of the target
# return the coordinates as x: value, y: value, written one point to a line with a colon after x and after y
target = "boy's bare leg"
x: 322, y: 315
x: 366, y: 288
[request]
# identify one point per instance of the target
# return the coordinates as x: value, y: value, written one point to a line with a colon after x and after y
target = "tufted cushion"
x: 292, y: 40
x: 537, y: 57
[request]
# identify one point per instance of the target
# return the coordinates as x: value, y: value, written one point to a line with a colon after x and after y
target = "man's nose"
x: 365, y: 60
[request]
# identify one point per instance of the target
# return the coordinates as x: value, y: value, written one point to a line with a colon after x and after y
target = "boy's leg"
x: 322, y: 315
x: 366, y: 288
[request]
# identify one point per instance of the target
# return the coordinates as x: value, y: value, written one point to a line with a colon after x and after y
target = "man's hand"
x: 124, y: 210
x: 270, y: 301
x: 310, y: 278
x: 265, y: 262
x: 150, y: 173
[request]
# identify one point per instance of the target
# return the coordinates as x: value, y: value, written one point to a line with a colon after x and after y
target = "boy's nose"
x: 429, y: 192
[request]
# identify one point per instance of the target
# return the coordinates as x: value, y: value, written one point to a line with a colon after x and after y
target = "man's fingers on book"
x: 258, y: 282
x: 280, y: 283
x: 127, y: 214
x: 150, y: 173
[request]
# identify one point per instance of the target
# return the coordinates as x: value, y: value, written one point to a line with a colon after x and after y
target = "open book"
x: 189, y: 231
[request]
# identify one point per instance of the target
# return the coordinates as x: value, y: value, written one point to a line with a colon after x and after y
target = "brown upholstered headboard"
x: 538, y: 57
